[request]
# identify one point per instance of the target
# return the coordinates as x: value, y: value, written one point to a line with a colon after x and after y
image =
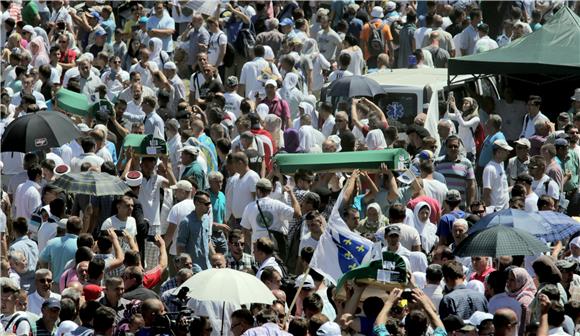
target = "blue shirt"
x: 487, y: 149
x: 58, y: 252
x: 29, y: 248
x: 446, y: 224
x: 194, y: 235
x: 165, y: 22
x: 218, y: 206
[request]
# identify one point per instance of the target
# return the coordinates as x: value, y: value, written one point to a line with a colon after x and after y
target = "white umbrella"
x: 227, y: 285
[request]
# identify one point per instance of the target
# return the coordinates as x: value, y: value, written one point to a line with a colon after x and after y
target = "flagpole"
x: 287, y: 316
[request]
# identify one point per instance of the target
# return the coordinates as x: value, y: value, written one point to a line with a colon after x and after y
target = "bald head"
x: 437, y: 21
x: 505, y: 322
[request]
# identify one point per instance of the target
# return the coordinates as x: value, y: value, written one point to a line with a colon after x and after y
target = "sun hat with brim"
x: 523, y: 142
x: 377, y: 12
x: 503, y: 145
x: 264, y: 183
x: 183, y: 185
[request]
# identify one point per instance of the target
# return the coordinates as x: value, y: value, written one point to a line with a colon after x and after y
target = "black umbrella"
x: 355, y: 86
x: 38, y: 131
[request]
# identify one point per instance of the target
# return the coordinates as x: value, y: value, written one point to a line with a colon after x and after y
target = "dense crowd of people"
x: 227, y: 86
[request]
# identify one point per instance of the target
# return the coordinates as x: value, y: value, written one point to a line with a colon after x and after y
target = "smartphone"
x: 407, y: 295
x: 119, y: 233
x: 150, y: 238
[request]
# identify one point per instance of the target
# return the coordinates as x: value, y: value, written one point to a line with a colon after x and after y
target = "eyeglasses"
x: 45, y: 281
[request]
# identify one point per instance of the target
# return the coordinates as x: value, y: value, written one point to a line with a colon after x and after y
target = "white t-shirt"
x: 539, y: 187
x: 253, y: 70
x: 233, y: 101
x: 149, y: 195
x: 495, y: 178
x: 215, y: 41
x: 176, y: 215
x: 276, y: 215
x: 531, y: 202
x: 243, y: 188
x: 46, y: 232
x: 35, y: 302
x: 435, y: 189
x: 8, y: 321
x: 130, y: 225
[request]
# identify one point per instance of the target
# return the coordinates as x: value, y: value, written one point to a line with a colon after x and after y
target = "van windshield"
x: 400, y: 109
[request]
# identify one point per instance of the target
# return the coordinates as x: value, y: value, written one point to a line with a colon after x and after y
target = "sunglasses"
x: 240, y: 244
x: 45, y: 281
x: 204, y: 203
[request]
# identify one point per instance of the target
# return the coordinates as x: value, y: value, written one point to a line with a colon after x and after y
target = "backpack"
x: 478, y: 137
x: 230, y: 55
x: 376, y: 40
x: 246, y: 41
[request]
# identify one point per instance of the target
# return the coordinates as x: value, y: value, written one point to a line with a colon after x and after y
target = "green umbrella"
x: 92, y: 183
x: 500, y: 241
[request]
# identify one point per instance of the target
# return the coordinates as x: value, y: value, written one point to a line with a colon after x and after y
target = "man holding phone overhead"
x: 122, y: 221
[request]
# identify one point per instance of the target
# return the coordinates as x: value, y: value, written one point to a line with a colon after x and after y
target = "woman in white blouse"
x: 468, y: 120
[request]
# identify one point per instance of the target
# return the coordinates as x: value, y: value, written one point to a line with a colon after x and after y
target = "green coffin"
x: 72, y: 102
x: 397, y: 159
x: 392, y: 263
x: 146, y: 145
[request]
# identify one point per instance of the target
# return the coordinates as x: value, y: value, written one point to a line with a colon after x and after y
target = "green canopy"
x: 553, y: 49
x: 397, y: 159
x: 72, y: 102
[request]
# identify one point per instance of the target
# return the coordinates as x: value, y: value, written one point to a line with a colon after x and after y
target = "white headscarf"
x: 375, y: 140
x: 426, y: 229
x: 155, y: 55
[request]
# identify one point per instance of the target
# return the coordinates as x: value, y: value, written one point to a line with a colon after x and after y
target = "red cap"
x: 92, y: 292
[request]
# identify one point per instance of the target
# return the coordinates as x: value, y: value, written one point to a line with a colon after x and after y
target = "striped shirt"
x: 457, y: 173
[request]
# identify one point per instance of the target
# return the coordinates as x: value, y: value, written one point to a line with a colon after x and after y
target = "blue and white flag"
x: 339, y: 250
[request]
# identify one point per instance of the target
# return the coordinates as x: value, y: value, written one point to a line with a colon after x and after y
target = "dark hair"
x: 344, y: 59
x: 86, y: 240
x: 416, y: 323
x: 20, y: 225
x: 259, y: 50
x: 316, y: 321
x: 497, y: 281
x: 104, y: 243
x: 83, y: 253
x: 313, y: 302
x: 265, y: 245
x: 298, y: 327
x: 244, y: 315
x: 104, y: 319
x: 556, y: 314
x: 68, y: 310
x: 372, y: 306
x: 268, y: 274
x: 351, y: 40
x: 434, y: 273
x: 88, y: 311
x: 397, y: 213
x: 88, y: 144
x: 33, y: 172
x: 96, y: 268
x: 544, y: 201
x: 452, y: 270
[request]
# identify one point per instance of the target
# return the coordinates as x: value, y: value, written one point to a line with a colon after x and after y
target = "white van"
x: 410, y: 92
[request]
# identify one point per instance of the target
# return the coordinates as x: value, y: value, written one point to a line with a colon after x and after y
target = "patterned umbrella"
x: 500, y: 241
x: 561, y: 225
x: 92, y: 183
x: 548, y: 225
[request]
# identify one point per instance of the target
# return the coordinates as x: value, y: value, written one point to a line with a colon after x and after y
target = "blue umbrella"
x: 547, y: 225
x: 561, y: 225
